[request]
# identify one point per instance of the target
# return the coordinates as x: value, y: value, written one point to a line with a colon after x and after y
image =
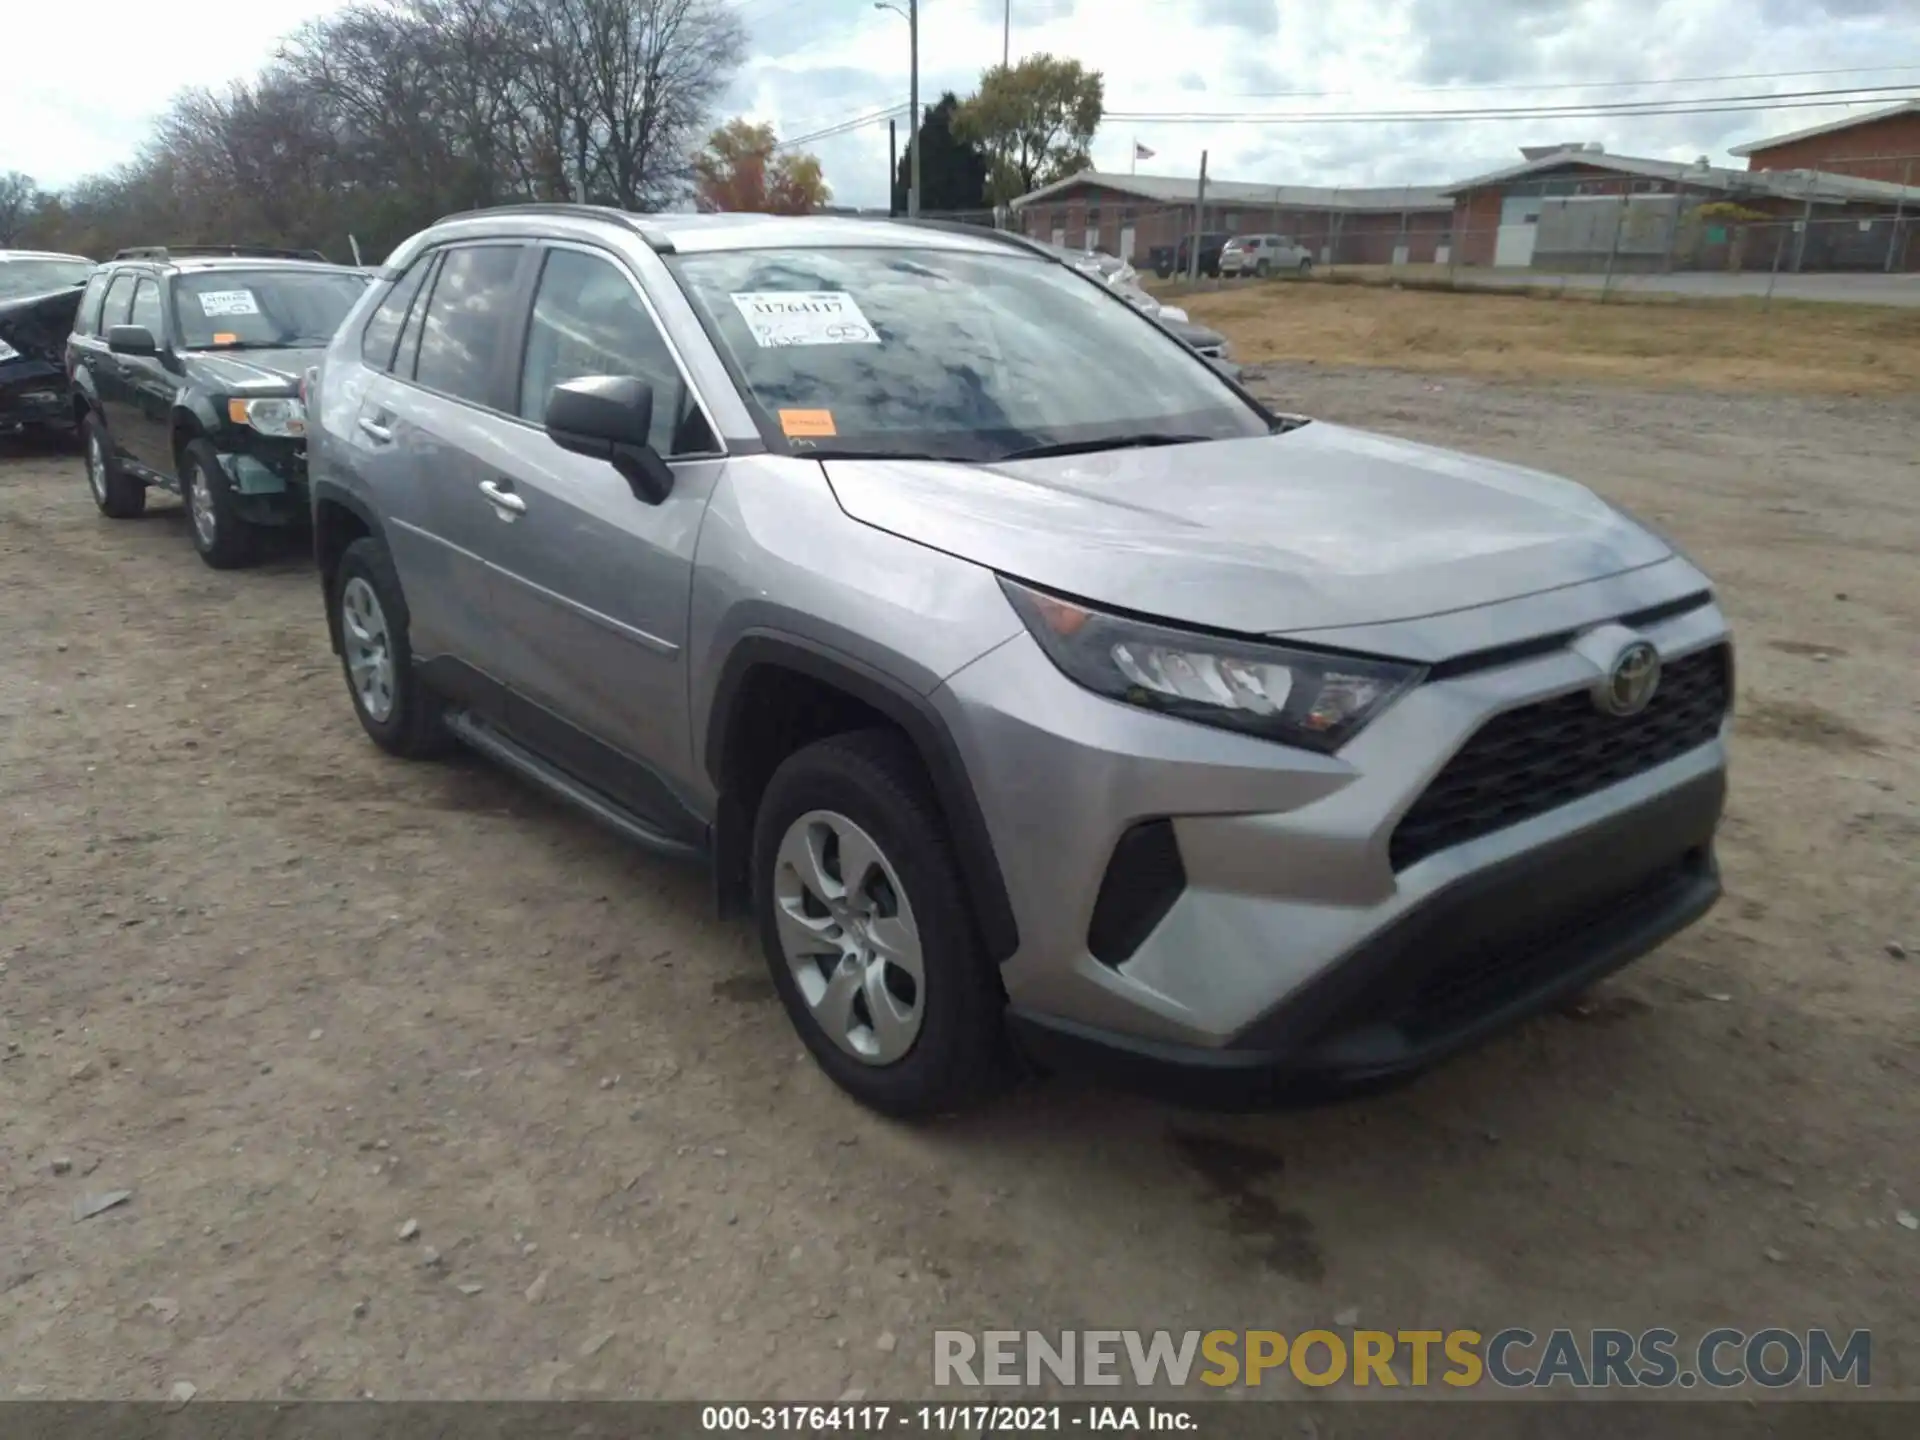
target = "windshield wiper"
x: 1108, y: 442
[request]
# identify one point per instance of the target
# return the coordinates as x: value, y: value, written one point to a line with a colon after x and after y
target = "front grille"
x: 1485, y: 977
x: 1537, y: 758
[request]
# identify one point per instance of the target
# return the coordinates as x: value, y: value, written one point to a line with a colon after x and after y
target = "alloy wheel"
x: 369, y: 649
x: 849, y: 937
x: 97, y: 468
x: 200, y: 500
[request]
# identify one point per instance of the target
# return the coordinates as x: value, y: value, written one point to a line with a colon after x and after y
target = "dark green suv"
x: 186, y: 365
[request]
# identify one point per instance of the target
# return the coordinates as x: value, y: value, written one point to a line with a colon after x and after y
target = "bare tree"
x: 19, y: 197
x: 634, y: 82
x: 381, y: 117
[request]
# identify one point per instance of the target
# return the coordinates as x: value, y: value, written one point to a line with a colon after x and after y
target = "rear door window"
x: 465, y: 329
x: 382, y: 335
x: 87, y: 322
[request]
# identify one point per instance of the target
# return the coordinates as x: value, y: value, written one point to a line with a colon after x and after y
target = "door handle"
x: 375, y: 431
x: 503, y: 499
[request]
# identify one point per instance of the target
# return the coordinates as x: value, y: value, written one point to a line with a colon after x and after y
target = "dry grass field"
x: 1655, y: 342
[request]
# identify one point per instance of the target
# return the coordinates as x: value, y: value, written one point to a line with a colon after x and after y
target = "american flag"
x: 1141, y: 152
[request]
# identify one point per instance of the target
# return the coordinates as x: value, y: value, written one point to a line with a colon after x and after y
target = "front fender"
x: 331, y: 535
x: 194, y: 413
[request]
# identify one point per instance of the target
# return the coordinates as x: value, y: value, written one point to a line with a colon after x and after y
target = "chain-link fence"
x: 1850, y: 231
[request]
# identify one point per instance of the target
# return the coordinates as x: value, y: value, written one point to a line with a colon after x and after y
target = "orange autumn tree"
x: 741, y: 170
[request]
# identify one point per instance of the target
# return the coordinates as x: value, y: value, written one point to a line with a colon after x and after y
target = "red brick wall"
x: 1362, y: 238
x: 1152, y: 224
x: 1885, y: 150
x: 1476, y: 224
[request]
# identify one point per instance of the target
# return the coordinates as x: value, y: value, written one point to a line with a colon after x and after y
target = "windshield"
x: 238, y: 309
x: 41, y: 277
x: 948, y: 355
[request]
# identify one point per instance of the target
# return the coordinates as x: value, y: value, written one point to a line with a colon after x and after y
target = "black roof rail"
x: 659, y: 243
x: 261, y: 252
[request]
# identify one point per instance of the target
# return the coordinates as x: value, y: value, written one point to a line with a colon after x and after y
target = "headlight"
x: 280, y: 415
x: 7, y: 352
x: 1312, y: 699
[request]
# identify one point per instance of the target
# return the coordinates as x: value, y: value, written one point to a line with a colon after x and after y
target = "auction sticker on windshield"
x: 227, y: 302
x: 803, y: 317
x: 807, y: 424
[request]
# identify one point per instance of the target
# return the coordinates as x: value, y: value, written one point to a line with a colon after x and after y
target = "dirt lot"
x: 1646, y: 339
x: 294, y: 995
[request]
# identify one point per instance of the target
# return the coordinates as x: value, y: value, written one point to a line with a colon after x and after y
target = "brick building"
x: 1576, y: 207
x: 1880, y: 145
x: 1132, y: 215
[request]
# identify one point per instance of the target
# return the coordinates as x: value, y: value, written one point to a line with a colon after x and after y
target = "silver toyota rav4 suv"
x: 1039, y: 693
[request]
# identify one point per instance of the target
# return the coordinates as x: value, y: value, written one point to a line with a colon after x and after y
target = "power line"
x: 1622, y: 109
x: 1646, y: 108
x: 845, y: 126
x: 1558, y: 85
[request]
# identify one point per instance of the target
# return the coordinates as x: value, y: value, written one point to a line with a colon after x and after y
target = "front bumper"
x: 1506, y: 943
x: 1296, y: 956
x: 269, y: 481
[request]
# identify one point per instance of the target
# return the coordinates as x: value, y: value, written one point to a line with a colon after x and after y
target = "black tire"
x: 233, y: 542
x: 412, y: 728
x: 875, y: 779
x: 117, y: 494
x: 1306, y: 265
x: 1262, y: 269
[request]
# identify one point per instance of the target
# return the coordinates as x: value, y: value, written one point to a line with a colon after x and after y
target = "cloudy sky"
x: 817, y: 63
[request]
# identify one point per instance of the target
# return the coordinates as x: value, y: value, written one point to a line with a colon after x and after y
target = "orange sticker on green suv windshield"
x: 223, y: 338
x: 807, y: 424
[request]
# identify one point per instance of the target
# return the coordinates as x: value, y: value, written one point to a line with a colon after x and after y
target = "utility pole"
x: 912, y: 16
x: 913, y: 106
x: 1006, y: 34
x: 1199, y: 222
x: 893, y: 166
x: 1899, y: 219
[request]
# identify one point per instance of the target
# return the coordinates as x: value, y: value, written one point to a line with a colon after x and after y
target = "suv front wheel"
x: 224, y: 540
x: 866, y: 928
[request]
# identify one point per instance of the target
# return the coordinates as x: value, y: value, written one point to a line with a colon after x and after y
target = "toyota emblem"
x: 1631, y: 680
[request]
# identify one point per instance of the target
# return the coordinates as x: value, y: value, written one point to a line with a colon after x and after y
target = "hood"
x: 1320, y: 526
x: 38, y: 325
x: 240, y: 372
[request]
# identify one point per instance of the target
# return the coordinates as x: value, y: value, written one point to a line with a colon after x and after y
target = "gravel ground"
x: 304, y: 1002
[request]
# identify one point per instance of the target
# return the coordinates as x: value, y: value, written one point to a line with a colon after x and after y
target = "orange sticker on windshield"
x: 225, y: 339
x: 807, y: 424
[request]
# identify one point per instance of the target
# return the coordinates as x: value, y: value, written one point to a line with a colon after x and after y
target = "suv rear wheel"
x: 117, y: 494
x: 395, y: 709
x: 866, y: 928
x: 224, y: 540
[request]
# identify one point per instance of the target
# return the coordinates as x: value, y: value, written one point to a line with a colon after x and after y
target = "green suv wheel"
x: 224, y: 540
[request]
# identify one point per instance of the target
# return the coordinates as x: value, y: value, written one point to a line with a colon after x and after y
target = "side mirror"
x: 132, y: 340
x: 609, y: 417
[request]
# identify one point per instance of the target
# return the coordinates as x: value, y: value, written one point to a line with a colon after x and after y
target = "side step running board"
x: 516, y: 757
